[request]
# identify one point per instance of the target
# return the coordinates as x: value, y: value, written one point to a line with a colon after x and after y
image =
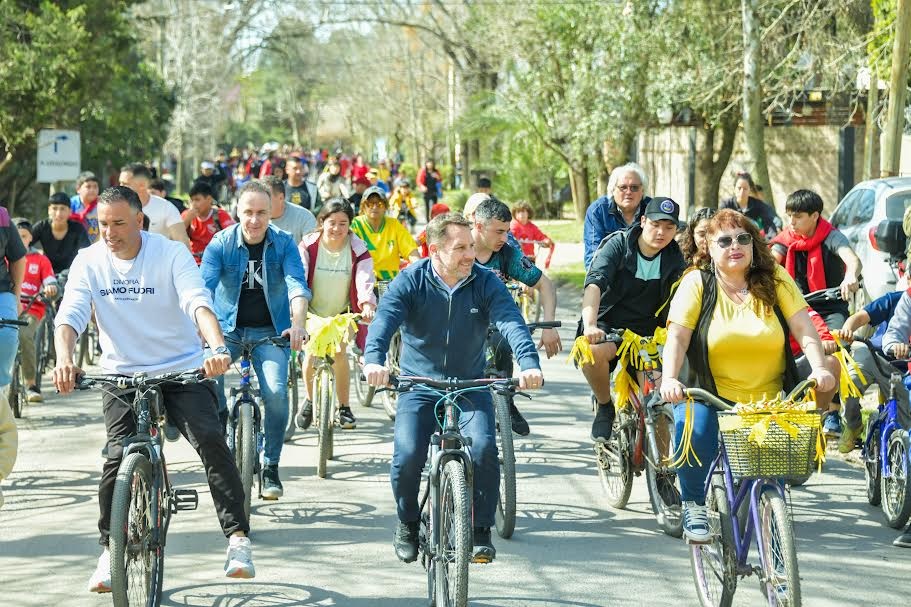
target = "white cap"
x: 471, y: 205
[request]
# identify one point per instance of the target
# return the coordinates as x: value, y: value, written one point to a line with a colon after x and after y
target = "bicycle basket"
x: 774, y: 444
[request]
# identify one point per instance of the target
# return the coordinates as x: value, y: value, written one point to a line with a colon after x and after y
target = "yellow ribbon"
x: 328, y: 334
x: 685, y: 448
x: 846, y: 386
x: 581, y: 353
x: 638, y: 352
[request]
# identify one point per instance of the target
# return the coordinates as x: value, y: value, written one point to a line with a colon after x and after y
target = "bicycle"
x: 642, y: 438
x: 143, y: 499
x: 18, y: 391
x: 745, y: 475
x: 245, y: 429
x: 445, y: 536
x: 885, y: 452
x: 506, y: 504
x: 526, y: 299
x: 294, y: 371
x: 87, y: 345
x: 392, y: 359
x: 44, y: 335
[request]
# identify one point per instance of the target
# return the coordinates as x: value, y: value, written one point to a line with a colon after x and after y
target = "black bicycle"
x: 144, y: 499
x: 445, y: 537
x: 18, y: 395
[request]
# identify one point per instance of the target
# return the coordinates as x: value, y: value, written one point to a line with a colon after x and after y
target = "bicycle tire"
x: 40, y: 355
x: 873, y: 463
x: 781, y: 584
x: 293, y: 396
x: 81, y: 348
x: 715, y: 561
x: 132, y: 557
x: 615, y: 467
x: 663, y: 486
x: 454, y: 550
x: 323, y: 409
x: 896, y: 488
x: 505, y: 517
x: 16, y: 401
x: 91, y: 343
x: 361, y: 390
x: 390, y: 397
x: 245, y: 450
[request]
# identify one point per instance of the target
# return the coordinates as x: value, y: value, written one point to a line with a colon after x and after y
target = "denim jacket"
x: 225, y: 261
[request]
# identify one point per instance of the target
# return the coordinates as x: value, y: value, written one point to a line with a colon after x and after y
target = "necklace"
x: 742, y: 292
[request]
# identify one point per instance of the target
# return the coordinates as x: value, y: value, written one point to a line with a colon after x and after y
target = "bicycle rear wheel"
x: 390, y: 397
x: 40, y: 354
x: 614, y: 466
x: 361, y: 390
x: 17, y: 396
x: 780, y: 581
x: 896, y: 488
x: 137, y: 567
x: 91, y: 333
x: 82, y: 347
x: 293, y: 378
x: 506, y: 505
x: 714, y: 564
x: 663, y: 487
x: 454, y: 551
x: 245, y: 450
x: 323, y: 407
x: 872, y: 462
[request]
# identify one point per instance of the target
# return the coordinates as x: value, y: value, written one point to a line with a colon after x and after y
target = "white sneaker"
x: 101, y: 580
x: 239, y: 563
x: 696, y: 523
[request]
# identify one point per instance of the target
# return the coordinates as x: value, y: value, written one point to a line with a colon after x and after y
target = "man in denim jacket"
x: 260, y: 289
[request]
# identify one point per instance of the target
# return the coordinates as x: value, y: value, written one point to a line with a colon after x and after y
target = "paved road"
x: 328, y: 541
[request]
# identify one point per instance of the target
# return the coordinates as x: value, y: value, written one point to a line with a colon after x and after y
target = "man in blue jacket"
x: 444, y: 305
x: 619, y: 210
x: 257, y: 279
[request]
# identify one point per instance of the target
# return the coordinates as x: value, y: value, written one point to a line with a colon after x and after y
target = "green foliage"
x: 456, y: 199
x: 409, y: 169
x: 879, y: 46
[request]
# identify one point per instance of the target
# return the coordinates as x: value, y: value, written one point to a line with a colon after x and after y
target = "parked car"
x: 859, y: 215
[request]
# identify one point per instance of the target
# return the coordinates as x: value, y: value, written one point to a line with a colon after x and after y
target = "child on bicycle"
x: 39, y: 275
x: 526, y: 232
x: 402, y: 203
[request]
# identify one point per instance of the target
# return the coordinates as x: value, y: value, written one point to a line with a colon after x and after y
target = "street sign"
x: 59, y: 155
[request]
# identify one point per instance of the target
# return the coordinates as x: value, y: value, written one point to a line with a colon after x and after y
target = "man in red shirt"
x: 203, y: 219
x: 38, y: 275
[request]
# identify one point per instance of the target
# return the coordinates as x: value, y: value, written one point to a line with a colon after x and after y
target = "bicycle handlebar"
x: 712, y: 400
x: 84, y: 382
x: 11, y: 322
x: 900, y: 364
x: 403, y: 383
x: 823, y: 296
x: 545, y: 324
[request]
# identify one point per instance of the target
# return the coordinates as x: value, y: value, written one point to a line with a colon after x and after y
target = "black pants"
x: 191, y: 408
x: 502, y: 358
x: 429, y: 201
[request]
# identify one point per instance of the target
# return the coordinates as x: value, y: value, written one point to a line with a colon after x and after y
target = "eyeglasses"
x: 743, y: 239
x: 373, y: 204
x: 631, y: 188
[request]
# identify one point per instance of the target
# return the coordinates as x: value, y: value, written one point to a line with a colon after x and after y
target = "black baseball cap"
x: 660, y: 208
x: 60, y: 198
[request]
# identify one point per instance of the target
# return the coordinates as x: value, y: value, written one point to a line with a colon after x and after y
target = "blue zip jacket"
x: 225, y: 261
x: 443, y: 335
x: 602, y: 219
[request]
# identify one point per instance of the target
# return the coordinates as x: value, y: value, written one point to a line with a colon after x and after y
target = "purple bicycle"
x: 746, y: 500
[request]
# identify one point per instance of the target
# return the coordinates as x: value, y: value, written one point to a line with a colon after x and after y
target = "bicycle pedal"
x: 184, y: 499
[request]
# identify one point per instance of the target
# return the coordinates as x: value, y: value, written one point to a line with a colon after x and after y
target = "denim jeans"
x: 705, y: 444
x: 270, y: 363
x: 415, y: 421
x: 9, y: 338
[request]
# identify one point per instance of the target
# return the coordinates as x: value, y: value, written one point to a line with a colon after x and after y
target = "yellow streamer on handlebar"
x: 328, y: 334
x: 685, y: 448
x: 846, y: 386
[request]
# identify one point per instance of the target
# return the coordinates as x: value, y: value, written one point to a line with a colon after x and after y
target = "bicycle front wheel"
x: 17, y: 396
x: 137, y: 567
x: 872, y: 462
x: 663, y: 487
x: 82, y: 347
x: 293, y: 377
x: 714, y: 565
x: 40, y: 354
x: 506, y: 505
x: 780, y: 580
x: 454, y: 550
x: 245, y: 450
x: 896, y: 487
x: 324, y: 409
x: 390, y: 397
x: 614, y: 466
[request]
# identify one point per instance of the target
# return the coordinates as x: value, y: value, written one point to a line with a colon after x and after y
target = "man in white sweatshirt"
x: 149, y: 301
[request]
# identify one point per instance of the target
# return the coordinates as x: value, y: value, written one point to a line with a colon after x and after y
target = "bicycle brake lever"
x: 528, y: 396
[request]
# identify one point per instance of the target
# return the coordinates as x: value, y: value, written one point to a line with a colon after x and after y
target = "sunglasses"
x: 372, y: 204
x: 743, y: 239
x: 630, y: 188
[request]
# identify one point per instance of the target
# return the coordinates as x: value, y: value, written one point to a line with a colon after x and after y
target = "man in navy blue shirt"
x: 444, y: 305
x: 620, y: 209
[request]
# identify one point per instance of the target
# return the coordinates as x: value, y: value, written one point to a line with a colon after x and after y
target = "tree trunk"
x: 870, y: 130
x: 465, y: 161
x: 474, y: 148
x: 898, y: 82
x: 753, y: 125
x: 710, y: 167
x: 578, y: 181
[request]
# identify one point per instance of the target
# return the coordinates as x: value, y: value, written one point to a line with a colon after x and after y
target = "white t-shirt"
x: 144, y: 306
x: 295, y: 220
x: 162, y: 215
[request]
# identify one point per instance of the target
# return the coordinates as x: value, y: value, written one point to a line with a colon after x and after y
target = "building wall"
x: 798, y: 156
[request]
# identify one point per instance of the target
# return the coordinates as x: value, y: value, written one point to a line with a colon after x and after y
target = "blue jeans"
x: 415, y: 421
x: 705, y: 444
x: 270, y: 363
x: 9, y: 338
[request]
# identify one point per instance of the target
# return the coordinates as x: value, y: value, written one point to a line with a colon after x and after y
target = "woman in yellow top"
x: 731, y: 316
x: 402, y: 204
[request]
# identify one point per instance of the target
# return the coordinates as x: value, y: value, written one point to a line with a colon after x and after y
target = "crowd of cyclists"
x: 262, y: 249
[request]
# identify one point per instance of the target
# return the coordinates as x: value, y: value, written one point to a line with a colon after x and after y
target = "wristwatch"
x: 222, y: 350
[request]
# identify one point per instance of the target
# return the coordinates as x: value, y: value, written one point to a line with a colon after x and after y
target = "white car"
x: 859, y: 214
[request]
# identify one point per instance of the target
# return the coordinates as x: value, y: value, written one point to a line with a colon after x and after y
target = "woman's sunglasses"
x: 743, y: 239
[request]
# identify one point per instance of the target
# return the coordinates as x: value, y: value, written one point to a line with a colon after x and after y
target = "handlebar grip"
x: 10, y: 322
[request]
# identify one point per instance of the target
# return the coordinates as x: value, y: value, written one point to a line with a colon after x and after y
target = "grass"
x: 561, y: 230
x: 572, y: 275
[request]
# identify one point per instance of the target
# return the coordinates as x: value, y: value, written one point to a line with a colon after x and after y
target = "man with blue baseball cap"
x: 629, y: 280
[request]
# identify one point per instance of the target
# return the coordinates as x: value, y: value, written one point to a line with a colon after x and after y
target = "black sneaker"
x: 904, y: 540
x: 345, y: 418
x: 603, y: 425
x: 305, y: 417
x: 405, y: 541
x: 519, y: 425
x: 272, y: 487
x: 484, y: 552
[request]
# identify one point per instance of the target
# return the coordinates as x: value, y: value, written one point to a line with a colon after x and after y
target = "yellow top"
x: 388, y: 245
x: 399, y: 202
x: 746, y: 342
